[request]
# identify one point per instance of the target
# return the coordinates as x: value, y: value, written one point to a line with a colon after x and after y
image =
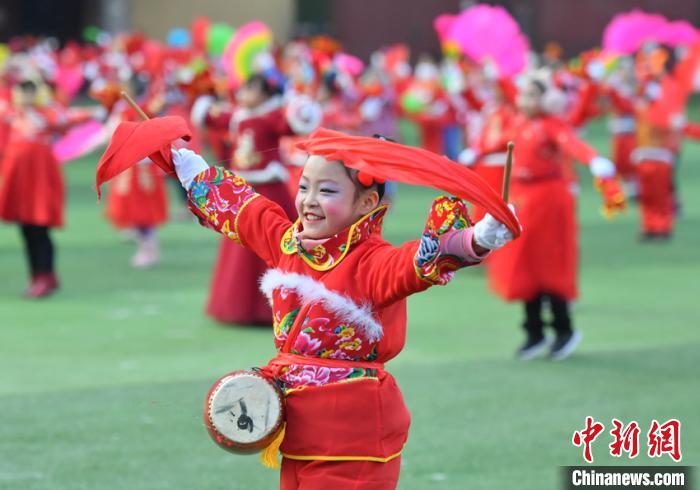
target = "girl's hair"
x: 541, y: 86
x: 360, y: 187
x: 266, y: 86
x: 40, y: 92
x: 28, y: 86
x: 379, y: 187
x: 329, y: 83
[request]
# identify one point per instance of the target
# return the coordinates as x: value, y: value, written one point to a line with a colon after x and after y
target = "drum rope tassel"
x: 269, y: 456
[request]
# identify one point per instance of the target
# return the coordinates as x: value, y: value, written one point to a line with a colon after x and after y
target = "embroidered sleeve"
x: 226, y: 203
x: 432, y: 263
x: 393, y: 273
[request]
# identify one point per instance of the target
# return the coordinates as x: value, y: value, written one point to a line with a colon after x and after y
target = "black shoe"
x: 564, y: 345
x: 655, y: 236
x: 532, y: 348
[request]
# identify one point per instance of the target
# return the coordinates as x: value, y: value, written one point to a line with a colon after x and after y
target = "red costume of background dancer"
x: 32, y: 192
x: 543, y: 264
x: 257, y: 127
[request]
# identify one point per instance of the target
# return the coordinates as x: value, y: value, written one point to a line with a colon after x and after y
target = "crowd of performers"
x: 301, y: 215
x: 461, y: 109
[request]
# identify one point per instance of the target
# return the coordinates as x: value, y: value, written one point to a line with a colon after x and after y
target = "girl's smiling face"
x: 328, y: 200
x: 529, y: 99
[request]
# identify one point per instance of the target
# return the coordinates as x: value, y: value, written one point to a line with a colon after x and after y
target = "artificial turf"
x: 101, y: 386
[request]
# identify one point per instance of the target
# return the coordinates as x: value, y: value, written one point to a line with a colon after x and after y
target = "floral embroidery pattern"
x: 427, y: 250
x: 320, y: 337
x: 296, y: 375
x: 305, y: 344
x: 307, y: 291
x: 217, y: 196
x: 329, y: 254
x: 446, y: 214
x: 281, y: 327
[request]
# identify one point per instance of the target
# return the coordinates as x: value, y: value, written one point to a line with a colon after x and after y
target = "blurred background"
x: 102, y: 384
x: 360, y: 25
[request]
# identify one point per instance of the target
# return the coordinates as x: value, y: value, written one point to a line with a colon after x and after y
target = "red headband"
x: 381, y: 160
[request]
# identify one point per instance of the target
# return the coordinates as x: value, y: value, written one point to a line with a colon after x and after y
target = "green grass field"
x: 101, y: 386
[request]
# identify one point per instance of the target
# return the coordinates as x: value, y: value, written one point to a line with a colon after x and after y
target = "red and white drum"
x: 244, y: 411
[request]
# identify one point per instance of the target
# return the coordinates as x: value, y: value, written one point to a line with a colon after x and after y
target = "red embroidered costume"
x: 339, y: 306
x: 32, y: 189
x: 339, y: 313
x: 32, y: 192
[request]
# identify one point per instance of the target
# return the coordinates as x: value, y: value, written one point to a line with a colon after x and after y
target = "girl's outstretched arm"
x: 448, y: 243
x: 226, y: 203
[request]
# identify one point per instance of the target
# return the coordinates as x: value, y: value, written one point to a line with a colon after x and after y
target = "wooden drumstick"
x: 134, y: 105
x: 506, y: 174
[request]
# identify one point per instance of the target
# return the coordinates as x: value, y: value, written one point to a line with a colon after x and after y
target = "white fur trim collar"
x: 200, y: 109
x: 310, y: 290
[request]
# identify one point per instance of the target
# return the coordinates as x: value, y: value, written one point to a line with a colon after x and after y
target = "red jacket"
x: 255, y: 134
x: 339, y: 313
x: 540, y: 145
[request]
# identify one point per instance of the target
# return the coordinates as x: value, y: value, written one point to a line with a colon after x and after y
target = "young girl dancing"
x: 32, y: 192
x: 338, y: 291
x: 542, y: 268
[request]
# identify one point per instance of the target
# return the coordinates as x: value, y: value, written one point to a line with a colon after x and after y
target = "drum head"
x: 244, y: 410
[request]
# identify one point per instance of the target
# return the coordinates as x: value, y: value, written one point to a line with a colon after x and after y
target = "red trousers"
x: 656, y: 196
x: 339, y: 475
x: 622, y: 147
x: 431, y: 136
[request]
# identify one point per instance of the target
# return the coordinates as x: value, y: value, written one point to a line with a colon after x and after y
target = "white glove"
x: 200, y: 109
x: 491, y: 233
x: 438, y: 108
x: 601, y: 167
x: 652, y: 90
x: 187, y: 166
x: 467, y: 157
x: 371, y: 109
x: 99, y: 112
x: 596, y: 70
x: 678, y: 121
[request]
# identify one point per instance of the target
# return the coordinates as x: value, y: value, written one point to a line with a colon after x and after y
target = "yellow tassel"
x: 269, y: 455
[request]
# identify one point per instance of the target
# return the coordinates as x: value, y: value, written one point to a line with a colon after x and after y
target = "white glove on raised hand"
x: 99, y: 112
x: 371, y: 109
x: 601, y: 167
x: 491, y: 233
x: 187, y: 166
x: 467, y: 157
